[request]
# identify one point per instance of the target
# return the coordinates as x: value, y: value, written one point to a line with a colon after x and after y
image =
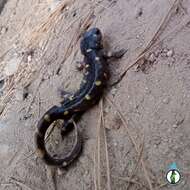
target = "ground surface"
x: 39, y: 46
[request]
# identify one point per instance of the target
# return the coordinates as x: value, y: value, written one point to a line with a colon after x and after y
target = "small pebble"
x: 113, y: 91
x: 152, y: 57
x: 160, y: 121
x: 25, y: 93
x: 86, y: 173
x: 157, y: 53
x: 41, y: 45
x: 19, y: 94
x: 59, y: 172
x: 169, y: 63
x: 12, y: 66
x: 106, y: 110
x: 115, y: 144
x: 136, y: 68
x: 157, y: 140
x: 138, y: 12
x: 174, y: 126
x: 49, y: 171
x: 166, y: 100
x: 136, y: 106
x: 56, y: 142
x: 3, y: 30
x: 15, y: 46
x: 83, y: 159
x: 147, y: 90
x: 170, y: 53
x: 165, y: 122
x: 165, y: 50
x: 29, y: 59
x: 2, y: 82
x: 179, y: 119
x: 74, y: 13
x: 169, y: 130
x: 53, y: 4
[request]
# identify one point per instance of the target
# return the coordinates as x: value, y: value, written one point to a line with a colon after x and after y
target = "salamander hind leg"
x: 68, y: 125
x: 66, y: 128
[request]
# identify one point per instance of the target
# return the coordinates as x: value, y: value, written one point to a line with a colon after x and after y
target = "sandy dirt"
x: 146, y: 114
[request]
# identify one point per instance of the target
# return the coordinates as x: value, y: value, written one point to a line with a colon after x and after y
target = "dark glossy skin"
x: 91, y: 89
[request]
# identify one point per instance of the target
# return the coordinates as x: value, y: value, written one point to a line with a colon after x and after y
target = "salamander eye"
x: 97, y: 32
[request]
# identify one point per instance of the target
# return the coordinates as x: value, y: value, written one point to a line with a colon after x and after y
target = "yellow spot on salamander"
x: 71, y: 97
x: 88, y: 50
x: 105, y: 75
x: 66, y: 113
x: 98, y: 83
x: 87, y: 65
x: 84, y: 81
x: 109, y: 54
x: 40, y: 153
x: 59, y: 104
x: 97, y: 58
x: 88, y: 97
x: 65, y: 96
x: 86, y: 73
x: 47, y: 118
x: 64, y: 164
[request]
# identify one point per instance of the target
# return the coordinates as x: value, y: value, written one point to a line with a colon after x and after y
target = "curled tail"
x: 48, y: 118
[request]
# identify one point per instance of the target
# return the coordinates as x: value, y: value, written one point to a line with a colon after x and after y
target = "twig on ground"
x: 52, y: 176
x: 141, y: 56
x: 130, y: 181
x: 132, y: 140
x: 50, y: 20
x: 107, y: 8
x: 162, y: 185
x: 98, y: 152
x: 31, y: 154
x: 97, y: 171
x: 95, y: 168
x: 149, y: 44
x: 13, y: 158
x: 106, y: 147
x: 137, y: 164
x: 48, y: 135
x: 161, y: 26
x: 20, y: 183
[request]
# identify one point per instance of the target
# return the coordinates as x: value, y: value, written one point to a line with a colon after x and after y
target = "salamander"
x: 90, y: 91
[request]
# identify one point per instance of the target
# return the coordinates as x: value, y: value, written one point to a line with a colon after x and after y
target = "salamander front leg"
x: 114, y: 55
x: 80, y: 66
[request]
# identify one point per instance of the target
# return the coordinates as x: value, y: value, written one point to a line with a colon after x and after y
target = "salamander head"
x: 92, y: 40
